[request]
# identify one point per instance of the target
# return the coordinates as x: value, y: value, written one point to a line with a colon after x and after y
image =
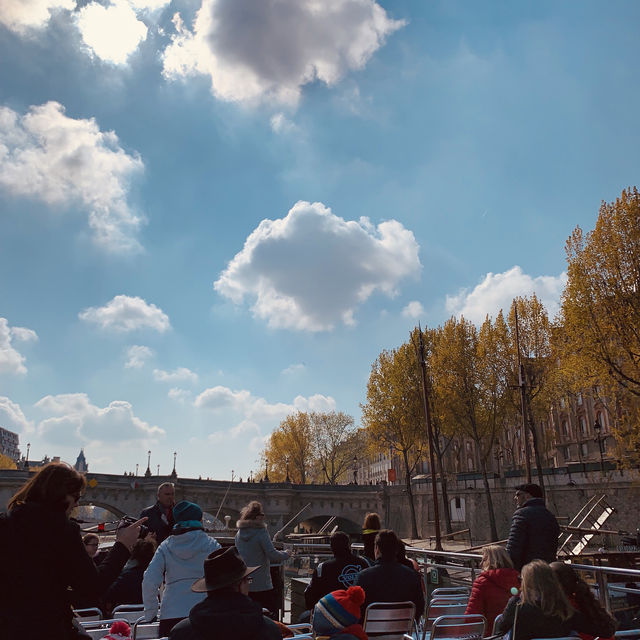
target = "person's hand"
x: 151, y: 537
x: 128, y: 535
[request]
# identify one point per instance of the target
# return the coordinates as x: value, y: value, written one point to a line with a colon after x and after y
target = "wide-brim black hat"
x: 222, y: 568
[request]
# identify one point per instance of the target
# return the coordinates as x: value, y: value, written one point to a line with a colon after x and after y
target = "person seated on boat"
x: 492, y: 589
x: 543, y: 610
x: 227, y: 611
x: 582, y: 599
x: 388, y: 580
x: 338, y: 573
x: 337, y: 615
x: 127, y: 588
x: 177, y: 562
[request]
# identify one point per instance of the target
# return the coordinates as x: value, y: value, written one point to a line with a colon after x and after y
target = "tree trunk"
x: 443, y: 486
x: 536, y: 448
x: 487, y: 490
x: 414, y: 522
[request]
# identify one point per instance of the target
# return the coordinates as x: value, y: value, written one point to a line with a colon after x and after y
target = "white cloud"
x: 281, y: 124
x: 294, y: 369
x: 413, y: 310
x: 11, y: 416
x: 311, y: 269
x: 137, y: 355
x: 11, y: 360
x: 65, y: 161
x: 266, y: 49
x: 72, y: 417
x: 181, y: 374
x: 111, y: 32
x: 256, y: 414
x: 127, y: 313
x: 22, y: 15
x: 179, y: 395
x: 497, y: 291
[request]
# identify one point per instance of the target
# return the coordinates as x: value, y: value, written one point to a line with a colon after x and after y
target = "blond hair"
x: 495, y: 557
x: 541, y: 588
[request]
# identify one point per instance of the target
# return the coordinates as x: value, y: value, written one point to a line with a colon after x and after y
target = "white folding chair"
x: 389, y: 620
x: 436, y: 610
x: 470, y: 627
x: 144, y: 630
x: 92, y: 613
x: 630, y: 633
x: 495, y: 624
x: 128, y: 612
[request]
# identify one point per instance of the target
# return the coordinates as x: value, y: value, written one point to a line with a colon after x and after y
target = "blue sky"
x: 217, y: 212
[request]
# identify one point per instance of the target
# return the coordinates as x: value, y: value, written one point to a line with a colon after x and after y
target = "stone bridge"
x: 281, y: 501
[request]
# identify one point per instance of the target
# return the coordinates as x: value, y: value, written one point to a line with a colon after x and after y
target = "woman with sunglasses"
x: 35, y: 577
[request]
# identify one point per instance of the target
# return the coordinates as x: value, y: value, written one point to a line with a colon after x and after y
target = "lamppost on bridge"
x: 136, y: 469
x: 173, y: 473
x: 266, y: 470
x: 597, y: 427
x: 147, y: 473
x: 26, y: 462
x: 286, y: 462
x: 355, y: 469
x: 158, y: 469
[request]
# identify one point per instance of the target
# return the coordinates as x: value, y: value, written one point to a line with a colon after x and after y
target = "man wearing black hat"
x: 227, y: 611
x: 534, y: 529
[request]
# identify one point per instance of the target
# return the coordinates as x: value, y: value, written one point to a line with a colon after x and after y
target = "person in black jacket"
x: 336, y: 574
x: 227, y: 611
x: 534, y: 529
x: 160, y: 515
x: 388, y: 580
x: 34, y: 594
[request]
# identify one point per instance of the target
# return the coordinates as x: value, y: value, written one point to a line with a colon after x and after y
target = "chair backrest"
x: 144, y: 630
x: 128, y: 612
x: 92, y: 613
x: 630, y: 633
x: 470, y: 627
x: 450, y: 590
x: 453, y: 599
x: 389, y: 620
x: 436, y: 610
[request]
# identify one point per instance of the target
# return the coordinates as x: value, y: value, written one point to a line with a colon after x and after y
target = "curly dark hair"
x: 581, y: 596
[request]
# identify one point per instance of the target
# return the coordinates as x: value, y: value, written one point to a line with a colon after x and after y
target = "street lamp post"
x: 286, y: 462
x: 173, y: 473
x: 597, y: 427
x: 158, y: 469
x: 136, y: 469
x: 26, y: 462
x: 266, y: 470
x: 147, y: 473
x: 355, y: 469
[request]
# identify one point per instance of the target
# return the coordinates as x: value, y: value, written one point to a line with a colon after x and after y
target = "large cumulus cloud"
x: 67, y: 162
x: 255, y: 49
x: 311, y: 269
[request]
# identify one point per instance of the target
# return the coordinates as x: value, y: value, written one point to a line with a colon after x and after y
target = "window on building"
x: 565, y: 427
x: 583, y: 425
x: 563, y: 404
x: 580, y: 398
x: 584, y: 448
x: 566, y: 453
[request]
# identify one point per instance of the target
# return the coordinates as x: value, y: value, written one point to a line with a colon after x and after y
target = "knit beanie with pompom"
x: 339, y: 612
x: 119, y: 630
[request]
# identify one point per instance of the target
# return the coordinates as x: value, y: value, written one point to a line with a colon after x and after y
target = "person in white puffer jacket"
x: 178, y: 562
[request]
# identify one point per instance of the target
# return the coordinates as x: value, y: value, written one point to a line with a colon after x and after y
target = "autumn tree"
x: 336, y: 441
x: 291, y: 446
x: 6, y: 462
x: 599, y: 339
x: 393, y: 413
x: 469, y: 377
x: 534, y: 332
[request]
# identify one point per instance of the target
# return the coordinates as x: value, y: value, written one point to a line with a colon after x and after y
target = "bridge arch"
x: 118, y: 513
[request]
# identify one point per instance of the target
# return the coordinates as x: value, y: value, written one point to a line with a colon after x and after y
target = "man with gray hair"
x: 160, y: 515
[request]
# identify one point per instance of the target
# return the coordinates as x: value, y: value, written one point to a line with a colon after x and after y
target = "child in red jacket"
x: 493, y: 587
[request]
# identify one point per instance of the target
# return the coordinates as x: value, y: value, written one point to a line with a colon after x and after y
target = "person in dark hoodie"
x: 255, y: 547
x: 227, y: 611
x: 494, y: 586
x: 35, y: 579
x: 534, y: 529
